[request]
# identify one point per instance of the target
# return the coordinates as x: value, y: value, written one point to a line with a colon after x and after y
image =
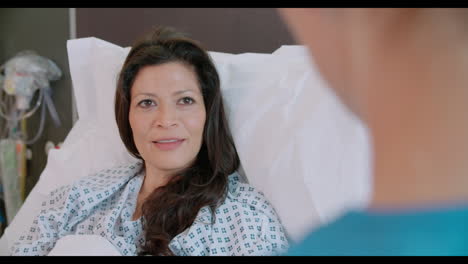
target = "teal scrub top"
x: 439, y: 231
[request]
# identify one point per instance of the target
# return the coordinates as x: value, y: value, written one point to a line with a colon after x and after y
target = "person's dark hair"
x: 172, y: 208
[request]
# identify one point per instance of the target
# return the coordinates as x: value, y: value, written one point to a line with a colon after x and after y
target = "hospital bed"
x: 296, y: 141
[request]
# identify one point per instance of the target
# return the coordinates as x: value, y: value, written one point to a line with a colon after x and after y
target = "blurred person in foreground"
x: 404, y: 73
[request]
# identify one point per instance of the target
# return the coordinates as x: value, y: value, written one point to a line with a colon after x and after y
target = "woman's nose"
x: 166, y: 116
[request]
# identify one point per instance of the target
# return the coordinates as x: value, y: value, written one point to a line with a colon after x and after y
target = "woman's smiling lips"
x: 168, y: 143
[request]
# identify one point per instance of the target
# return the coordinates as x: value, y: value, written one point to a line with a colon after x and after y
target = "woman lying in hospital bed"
x: 296, y: 142
x: 184, y: 196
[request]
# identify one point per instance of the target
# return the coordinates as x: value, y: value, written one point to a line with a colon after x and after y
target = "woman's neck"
x: 153, y: 179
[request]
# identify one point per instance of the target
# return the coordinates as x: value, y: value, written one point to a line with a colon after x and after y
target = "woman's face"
x: 167, y: 115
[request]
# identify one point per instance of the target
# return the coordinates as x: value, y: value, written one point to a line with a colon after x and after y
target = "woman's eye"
x: 187, y: 101
x: 146, y: 103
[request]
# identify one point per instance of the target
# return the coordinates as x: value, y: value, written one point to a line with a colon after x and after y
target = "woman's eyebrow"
x: 146, y: 94
x: 174, y: 93
x: 183, y: 91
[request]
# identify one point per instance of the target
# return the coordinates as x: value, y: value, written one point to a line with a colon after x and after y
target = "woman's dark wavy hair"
x: 172, y: 208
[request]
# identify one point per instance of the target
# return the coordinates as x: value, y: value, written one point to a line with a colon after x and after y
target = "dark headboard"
x: 232, y: 30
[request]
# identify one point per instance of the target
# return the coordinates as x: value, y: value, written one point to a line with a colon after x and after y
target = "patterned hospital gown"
x: 104, y: 203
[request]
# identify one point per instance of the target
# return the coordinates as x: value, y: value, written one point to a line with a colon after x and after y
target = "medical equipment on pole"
x: 20, y: 77
x: 24, y: 74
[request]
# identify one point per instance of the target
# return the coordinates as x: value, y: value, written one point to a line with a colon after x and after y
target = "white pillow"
x: 296, y: 142
x: 295, y: 139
